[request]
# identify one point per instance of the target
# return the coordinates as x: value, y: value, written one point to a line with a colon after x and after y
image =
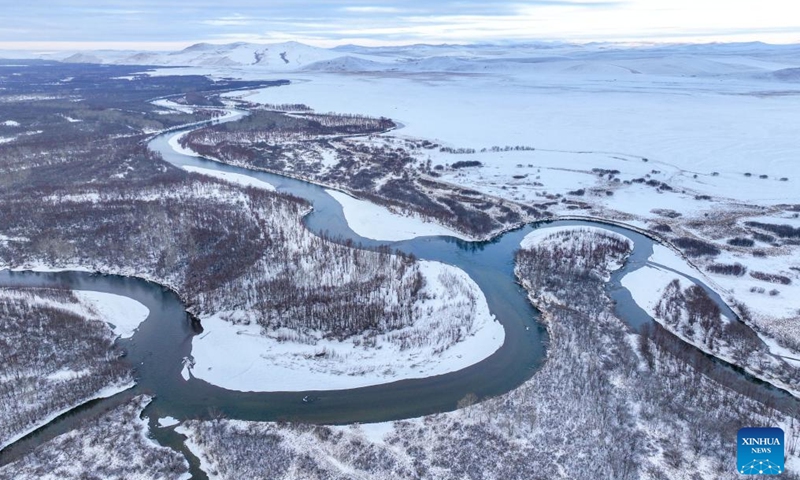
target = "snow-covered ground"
x: 732, y: 121
x: 648, y: 283
x: 548, y: 235
x: 688, y: 123
x: 240, y: 357
x: 175, y: 140
x: 123, y: 314
x: 103, y: 393
x: 379, y: 223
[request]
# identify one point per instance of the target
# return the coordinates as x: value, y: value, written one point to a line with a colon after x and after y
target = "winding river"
x: 164, y: 338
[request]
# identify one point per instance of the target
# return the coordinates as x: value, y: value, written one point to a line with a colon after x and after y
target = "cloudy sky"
x: 166, y: 24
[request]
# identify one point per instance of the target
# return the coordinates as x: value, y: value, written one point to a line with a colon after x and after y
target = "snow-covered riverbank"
x: 379, y: 223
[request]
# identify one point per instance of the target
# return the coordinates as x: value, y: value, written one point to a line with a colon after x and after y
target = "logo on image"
x: 760, y: 451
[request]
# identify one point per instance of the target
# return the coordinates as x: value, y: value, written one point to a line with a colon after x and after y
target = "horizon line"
x: 43, y: 47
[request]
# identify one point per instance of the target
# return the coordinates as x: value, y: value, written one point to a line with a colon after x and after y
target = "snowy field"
x: 696, y: 125
x: 701, y: 136
x: 241, y: 357
x: 686, y: 114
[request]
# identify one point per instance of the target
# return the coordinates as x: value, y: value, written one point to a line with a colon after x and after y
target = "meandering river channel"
x: 163, y: 340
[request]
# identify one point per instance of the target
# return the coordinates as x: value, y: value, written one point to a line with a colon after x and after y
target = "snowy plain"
x: 701, y: 129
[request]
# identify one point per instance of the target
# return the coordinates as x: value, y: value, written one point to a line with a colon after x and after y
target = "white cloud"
x: 230, y: 21
x: 372, y: 9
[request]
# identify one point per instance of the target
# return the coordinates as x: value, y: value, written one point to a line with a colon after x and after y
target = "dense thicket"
x: 696, y: 248
x: 583, y: 257
x: 52, y: 358
x: 736, y: 269
x: 783, y: 231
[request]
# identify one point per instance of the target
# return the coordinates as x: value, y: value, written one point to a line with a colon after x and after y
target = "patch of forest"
x: 113, y: 446
x: 692, y: 315
x: 54, y: 356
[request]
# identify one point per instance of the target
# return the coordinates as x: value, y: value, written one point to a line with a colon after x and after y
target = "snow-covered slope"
x: 273, y: 57
x: 756, y: 60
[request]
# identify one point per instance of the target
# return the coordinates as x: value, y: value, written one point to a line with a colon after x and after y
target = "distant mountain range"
x: 774, y: 62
